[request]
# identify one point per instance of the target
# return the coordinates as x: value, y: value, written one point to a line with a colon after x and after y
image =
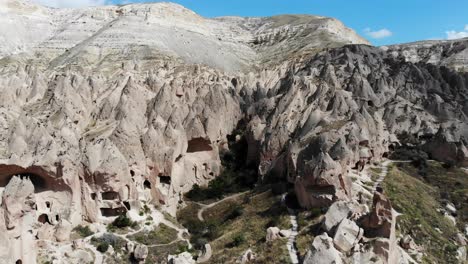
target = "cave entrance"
x: 110, y: 195
x: 199, y: 145
x: 111, y: 212
x: 165, y: 180
x: 147, y: 184
x: 44, y: 218
x: 40, y: 184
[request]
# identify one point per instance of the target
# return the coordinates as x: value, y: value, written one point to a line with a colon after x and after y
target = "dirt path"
x: 384, y: 172
x: 207, y: 206
x: 291, y: 244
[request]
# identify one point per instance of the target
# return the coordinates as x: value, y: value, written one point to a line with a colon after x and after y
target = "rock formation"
x: 104, y: 109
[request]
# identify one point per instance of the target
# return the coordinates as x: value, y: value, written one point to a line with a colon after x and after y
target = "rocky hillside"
x: 119, y: 110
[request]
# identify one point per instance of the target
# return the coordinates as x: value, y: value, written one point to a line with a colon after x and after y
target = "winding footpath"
x: 291, y: 244
x: 384, y: 172
x: 207, y: 206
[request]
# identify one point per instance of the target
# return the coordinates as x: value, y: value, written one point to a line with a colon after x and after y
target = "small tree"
x: 122, y: 221
x: 103, y: 247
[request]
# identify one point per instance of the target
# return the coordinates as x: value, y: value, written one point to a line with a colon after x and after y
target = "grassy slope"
x: 258, y: 212
x: 452, y: 184
x: 160, y: 235
x: 418, y: 202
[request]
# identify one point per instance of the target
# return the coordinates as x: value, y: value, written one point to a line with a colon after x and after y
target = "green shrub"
x: 238, y: 240
x: 236, y: 212
x: 83, y: 231
x: 107, y: 240
x: 103, y: 247
x: 122, y: 221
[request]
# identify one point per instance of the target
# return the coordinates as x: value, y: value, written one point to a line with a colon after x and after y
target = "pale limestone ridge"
x: 136, y: 31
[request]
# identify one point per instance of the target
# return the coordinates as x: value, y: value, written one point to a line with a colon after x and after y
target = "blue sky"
x: 381, y: 21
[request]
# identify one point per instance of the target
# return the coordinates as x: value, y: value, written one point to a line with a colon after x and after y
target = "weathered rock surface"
x: 104, y: 109
x: 272, y: 234
x: 347, y: 235
x: 323, y: 251
x: 336, y: 213
x: 140, y: 252
x: 182, y: 258
x: 247, y: 257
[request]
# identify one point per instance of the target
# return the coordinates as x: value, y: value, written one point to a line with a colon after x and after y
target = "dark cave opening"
x: 44, y: 218
x: 165, y: 180
x: 199, y: 145
x: 111, y: 212
x: 147, y: 184
x: 110, y: 195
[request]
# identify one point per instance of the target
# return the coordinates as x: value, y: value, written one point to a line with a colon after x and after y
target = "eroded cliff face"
x: 123, y: 106
x: 344, y: 107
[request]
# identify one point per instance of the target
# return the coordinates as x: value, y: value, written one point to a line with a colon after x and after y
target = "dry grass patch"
x: 418, y: 202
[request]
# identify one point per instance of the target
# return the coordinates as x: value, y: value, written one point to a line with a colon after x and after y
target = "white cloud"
x: 378, y: 34
x: 70, y: 3
x: 452, y: 34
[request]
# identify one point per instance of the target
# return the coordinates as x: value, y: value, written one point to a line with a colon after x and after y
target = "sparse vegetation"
x: 238, y: 240
x: 309, y: 222
x: 103, y: 242
x: 83, y: 231
x: 121, y: 222
x: 159, y: 254
x: 450, y: 182
x: 418, y: 202
x: 160, y: 235
x: 102, y: 247
x: 225, y: 222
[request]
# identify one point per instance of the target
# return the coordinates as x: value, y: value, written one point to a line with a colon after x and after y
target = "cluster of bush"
x: 122, y: 221
x: 103, y: 242
x: 202, y: 232
x: 83, y: 231
x: 237, y: 240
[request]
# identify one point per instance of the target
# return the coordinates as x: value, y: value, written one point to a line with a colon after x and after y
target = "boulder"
x: 323, y: 251
x: 407, y: 243
x: 450, y: 207
x: 182, y: 258
x: 335, y: 214
x: 78, y: 244
x: 63, y: 231
x: 285, y: 233
x: 461, y: 254
x: 130, y: 246
x: 460, y: 239
x: 247, y: 257
x: 273, y: 233
x: 347, y: 235
x: 378, y: 223
x: 141, y: 252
